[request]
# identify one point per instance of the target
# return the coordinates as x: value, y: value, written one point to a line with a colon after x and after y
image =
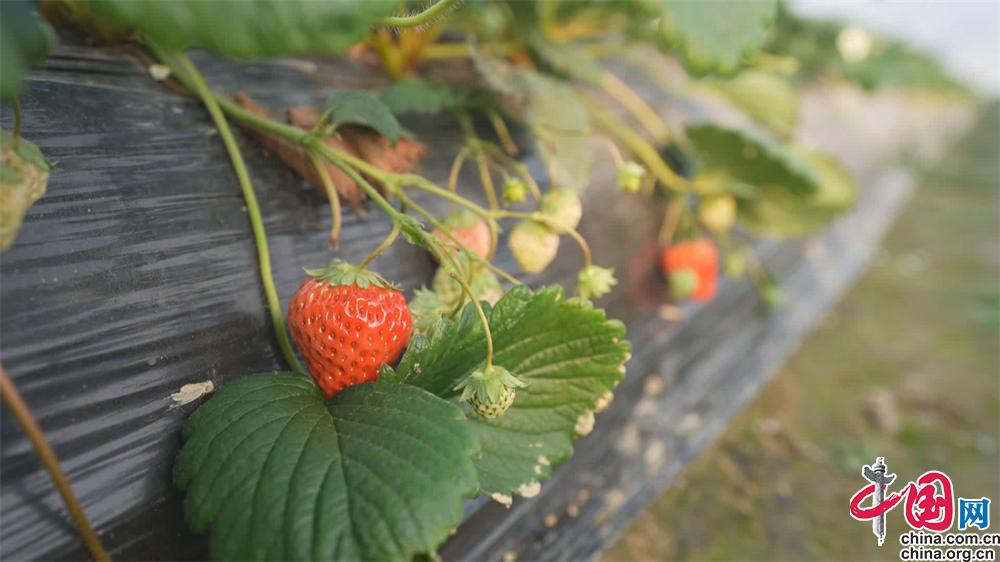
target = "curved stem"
x: 482, y: 316
x: 486, y: 179
x: 253, y: 207
x: 484, y: 173
x: 638, y: 145
x: 22, y: 414
x: 373, y: 194
x: 671, y: 219
x: 426, y: 16
x: 616, y: 154
x: 456, y: 167
x: 503, y: 133
x: 454, y: 50
x: 421, y: 183
x: 393, y: 234
x: 541, y: 218
x: 575, y: 235
x: 438, y: 225
x: 332, y: 195
x: 637, y: 106
x: 517, y: 166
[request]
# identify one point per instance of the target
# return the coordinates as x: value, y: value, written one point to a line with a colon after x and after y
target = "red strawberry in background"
x: 470, y: 230
x: 693, y: 269
x: 347, y: 323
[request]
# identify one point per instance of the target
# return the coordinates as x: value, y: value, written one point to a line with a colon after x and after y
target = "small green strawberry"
x: 515, y: 190
x: 683, y: 284
x: 562, y: 210
x: 594, y: 282
x: 629, y: 176
x: 534, y: 246
x: 490, y: 392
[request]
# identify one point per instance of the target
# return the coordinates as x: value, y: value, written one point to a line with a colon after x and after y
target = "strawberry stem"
x: 455, y: 272
x: 484, y: 172
x: 637, y: 106
x: 541, y: 218
x: 638, y: 146
x: 185, y: 70
x: 36, y: 436
x: 332, y: 195
x: 389, y: 240
x: 503, y: 133
x: 427, y: 16
x: 451, y: 237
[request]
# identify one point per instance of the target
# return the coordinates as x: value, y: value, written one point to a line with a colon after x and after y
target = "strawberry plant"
x: 478, y: 384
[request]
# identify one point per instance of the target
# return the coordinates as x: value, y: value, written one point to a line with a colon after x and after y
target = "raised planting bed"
x: 136, y: 274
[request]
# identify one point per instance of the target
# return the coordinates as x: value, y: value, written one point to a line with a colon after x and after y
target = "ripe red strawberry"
x: 347, y: 323
x: 698, y: 258
x: 471, y: 230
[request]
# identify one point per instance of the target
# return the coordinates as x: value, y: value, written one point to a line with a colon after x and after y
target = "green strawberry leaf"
x: 565, y: 59
x: 779, y: 214
x: 25, y: 39
x: 416, y: 95
x: 567, y: 352
x: 767, y: 98
x: 753, y: 159
x: 351, y: 107
x: 714, y: 36
x: 274, y: 472
x: 248, y: 28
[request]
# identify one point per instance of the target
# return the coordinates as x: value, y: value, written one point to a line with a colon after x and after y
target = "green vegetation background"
x: 905, y: 367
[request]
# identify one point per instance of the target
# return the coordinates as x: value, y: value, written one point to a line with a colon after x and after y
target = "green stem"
x: 426, y: 16
x: 517, y: 166
x: 253, y: 208
x: 332, y: 195
x: 421, y: 183
x: 373, y: 194
x: 503, y: 133
x: 637, y: 106
x: 487, y: 181
x: 541, y: 218
x: 638, y: 145
x: 434, y: 222
x: 21, y: 412
x: 484, y: 173
x: 456, y: 275
x: 389, y: 240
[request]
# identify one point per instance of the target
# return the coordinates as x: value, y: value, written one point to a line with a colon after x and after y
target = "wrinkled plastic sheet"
x: 137, y: 274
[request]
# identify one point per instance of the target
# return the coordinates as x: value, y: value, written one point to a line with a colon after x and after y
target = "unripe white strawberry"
x: 534, y: 246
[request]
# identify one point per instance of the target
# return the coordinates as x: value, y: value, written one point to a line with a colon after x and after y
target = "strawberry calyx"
x: 629, y: 176
x: 460, y: 219
x: 593, y: 282
x: 515, y: 190
x: 489, y: 385
x: 683, y: 283
x: 340, y: 272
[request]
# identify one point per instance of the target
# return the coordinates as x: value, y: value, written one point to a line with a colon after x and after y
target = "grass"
x: 905, y: 367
